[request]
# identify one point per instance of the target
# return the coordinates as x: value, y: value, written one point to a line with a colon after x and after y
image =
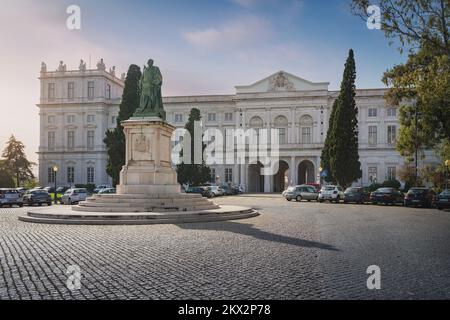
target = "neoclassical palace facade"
x: 77, y: 107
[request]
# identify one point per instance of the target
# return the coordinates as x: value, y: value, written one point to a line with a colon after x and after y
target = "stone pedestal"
x: 148, y: 165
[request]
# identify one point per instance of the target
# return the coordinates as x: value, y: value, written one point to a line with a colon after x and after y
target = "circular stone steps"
x: 65, y: 215
x: 145, y: 203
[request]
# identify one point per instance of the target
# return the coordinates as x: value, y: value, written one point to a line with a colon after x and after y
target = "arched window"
x: 306, y: 129
x: 281, y: 124
x: 256, y: 123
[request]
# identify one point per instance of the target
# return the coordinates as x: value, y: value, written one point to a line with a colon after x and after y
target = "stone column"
x: 267, y: 183
x: 293, y: 171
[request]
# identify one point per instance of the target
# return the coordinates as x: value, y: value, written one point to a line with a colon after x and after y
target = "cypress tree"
x: 325, y: 156
x: 191, y: 173
x: 115, y: 139
x: 343, y: 144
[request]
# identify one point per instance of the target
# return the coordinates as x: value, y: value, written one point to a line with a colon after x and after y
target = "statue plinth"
x: 148, y: 165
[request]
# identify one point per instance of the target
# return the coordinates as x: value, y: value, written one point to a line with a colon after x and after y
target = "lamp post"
x: 55, y: 170
x: 447, y: 164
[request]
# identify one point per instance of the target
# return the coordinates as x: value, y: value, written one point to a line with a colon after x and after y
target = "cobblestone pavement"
x: 292, y: 251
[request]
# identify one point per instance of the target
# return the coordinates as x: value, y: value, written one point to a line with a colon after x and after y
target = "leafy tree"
x: 343, y: 143
x: 6, y: 179
x: 115, y: 139
x: 420, y: 86
x: 191, y: 173
x: 16, y: 162
x: 325, y: 156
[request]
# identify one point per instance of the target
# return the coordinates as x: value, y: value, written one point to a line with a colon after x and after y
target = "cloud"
x: 244, y: 31
x: 245, y: 3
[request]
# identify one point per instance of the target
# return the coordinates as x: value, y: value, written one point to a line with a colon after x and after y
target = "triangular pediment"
x: 282, y: 81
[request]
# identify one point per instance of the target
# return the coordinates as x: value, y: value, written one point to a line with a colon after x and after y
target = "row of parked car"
x: 39, y: 196
x: 215, y: 191
x: 417, y: 196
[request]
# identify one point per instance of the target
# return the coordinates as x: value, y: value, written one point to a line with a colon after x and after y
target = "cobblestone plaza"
x: 291, y: 251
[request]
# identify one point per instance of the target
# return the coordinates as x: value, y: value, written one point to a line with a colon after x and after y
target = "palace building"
x: 78, y: 107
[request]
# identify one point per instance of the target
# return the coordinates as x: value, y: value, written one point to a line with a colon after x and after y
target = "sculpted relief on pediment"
x: 280, y: 82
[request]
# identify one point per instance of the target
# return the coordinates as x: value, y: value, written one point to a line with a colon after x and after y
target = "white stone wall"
x: 56, y: 116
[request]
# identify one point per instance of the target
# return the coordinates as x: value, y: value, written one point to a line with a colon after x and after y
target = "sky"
x: 201, y: 46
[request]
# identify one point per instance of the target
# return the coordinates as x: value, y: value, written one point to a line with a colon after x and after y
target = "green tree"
x: 343, y: 142
x: 421, y: 86
x: 191, y: 173
x: 16, y: 162
x: 6, y: 179
x: 325, y: 156
x: 115, y: 139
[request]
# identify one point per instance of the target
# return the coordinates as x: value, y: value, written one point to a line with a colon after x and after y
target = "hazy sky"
x: 201, y: 47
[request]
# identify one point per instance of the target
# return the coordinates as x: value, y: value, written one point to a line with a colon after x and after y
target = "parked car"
x: 10, y: 197
x: 356, y: 194
x: 22, y: 191
x: 195, y: 190
x: 50, y: 189
x: 443, y: 200
x: 302, y: 192
x: 386, y: 196
x: 227, y: 190
x: 331, y: 193
x: 213, y: 191
x: 37, y: 196
x: 315, y: 185
x: 62, y: 189
x: 74, y: 196
x: 107, y: 191
x: 419, y: 197
x: 101, y: 187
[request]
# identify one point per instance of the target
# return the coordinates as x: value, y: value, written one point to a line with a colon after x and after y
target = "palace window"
x: 178, y: 118
x: 71, y: 90
x: 391, y: 134
x: 372, y: 135
x: 70, y: 174
x: 108, y: 91
x: 51, y: 91
x: 211, y: 117
x: 282, y: 135
x: 391, y: 112
x: 51, y: 120
x: 228, y: 116
x: 90, y: 139
x: 113, y: 120
x: 306, y: 125
x: 70, y: 139
x: 90, y: 175
x: 51, y: 175
x: 372, y: 112
x: 91, y: 118
x: 372, y: 173
x: 281, y: 124
x: 91, y: 90
x: 70, y: 118
x: 228, y: 175
x: 391, y: 173
x: 51, y: 140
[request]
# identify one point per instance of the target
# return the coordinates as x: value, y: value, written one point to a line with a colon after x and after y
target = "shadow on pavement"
x: 250, y: 230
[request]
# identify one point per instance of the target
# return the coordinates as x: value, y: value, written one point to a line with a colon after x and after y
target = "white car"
x: 331, y: 193
x: 74, y: 196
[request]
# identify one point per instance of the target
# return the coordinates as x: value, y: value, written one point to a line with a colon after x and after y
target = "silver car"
x: 299, y: 193
x: 10, y: 197
x: 74, y: 196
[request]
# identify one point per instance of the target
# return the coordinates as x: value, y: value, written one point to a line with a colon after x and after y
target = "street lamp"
x: 447, y: 164
x: 55, y: 170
